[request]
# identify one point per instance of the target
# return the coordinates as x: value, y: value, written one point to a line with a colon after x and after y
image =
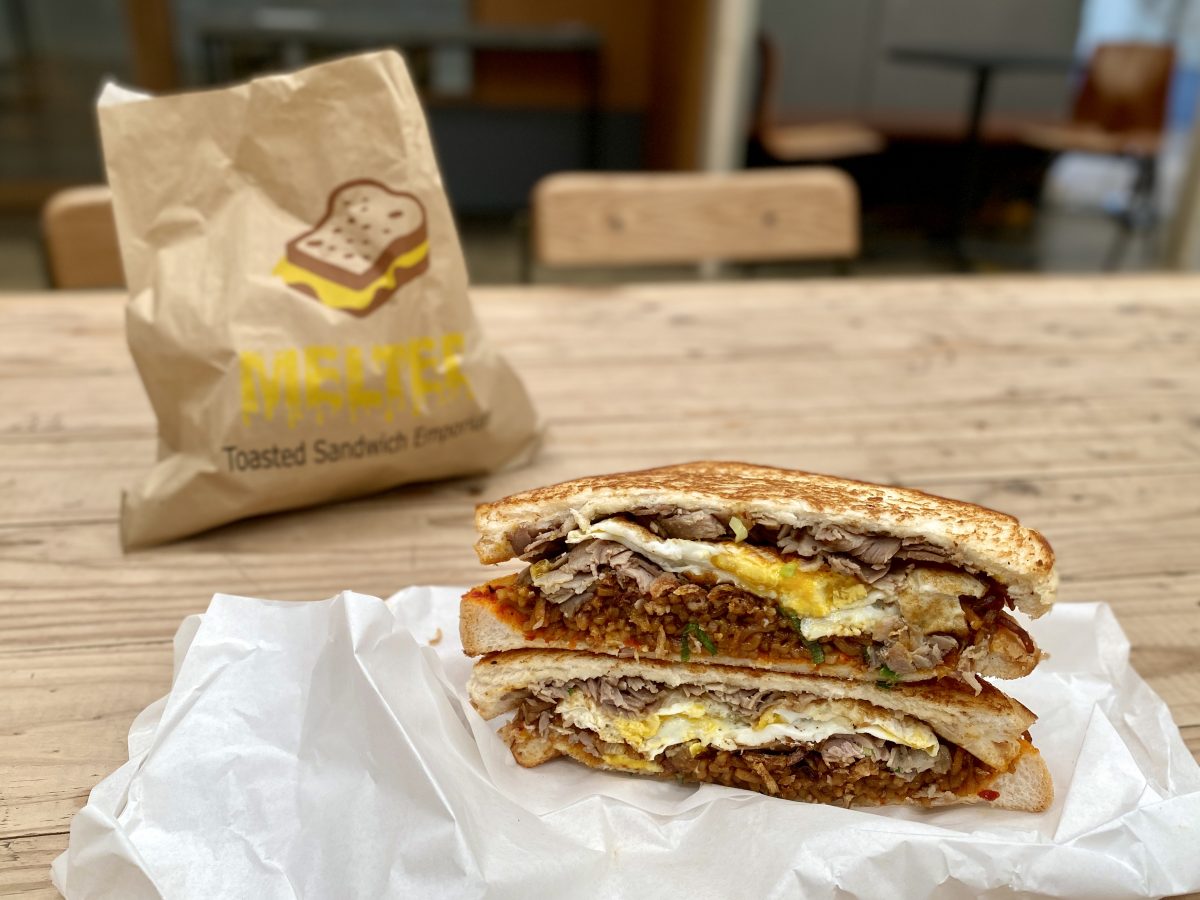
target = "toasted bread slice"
x: 973, y: 537
x: 988, y: 725
x: 485, y: 628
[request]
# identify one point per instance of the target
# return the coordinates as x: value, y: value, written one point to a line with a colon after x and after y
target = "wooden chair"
x: 801, y: 143
x: 80, y: 238
x: 1120, y: 110
x: 599, y: 219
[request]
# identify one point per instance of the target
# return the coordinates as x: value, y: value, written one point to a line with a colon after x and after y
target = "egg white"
x: 848, y: 622
x: 677, y: 555
x: 704, y: 722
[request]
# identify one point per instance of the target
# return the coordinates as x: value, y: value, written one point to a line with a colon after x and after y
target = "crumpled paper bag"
x: 328, y: 750
x: 298, y: 306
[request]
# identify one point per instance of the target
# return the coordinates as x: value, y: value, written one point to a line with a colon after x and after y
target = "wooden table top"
x: 1073, y: 403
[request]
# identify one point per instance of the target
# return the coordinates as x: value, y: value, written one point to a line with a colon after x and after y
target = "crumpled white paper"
x: 327, y: 750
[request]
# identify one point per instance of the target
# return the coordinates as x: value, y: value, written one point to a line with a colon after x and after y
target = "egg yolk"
x: 625, y: 761
x: 802, y: 593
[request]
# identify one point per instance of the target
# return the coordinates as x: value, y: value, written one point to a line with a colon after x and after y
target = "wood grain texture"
x: 1071, y: 403
x: 24, y: 864
x: 74, y: 711
x: 590, y: 219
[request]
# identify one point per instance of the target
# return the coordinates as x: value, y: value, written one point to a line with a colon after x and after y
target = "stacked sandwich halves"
x: 804, y: 636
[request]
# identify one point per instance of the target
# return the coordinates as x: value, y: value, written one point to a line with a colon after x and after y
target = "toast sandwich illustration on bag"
x: 371, y: 241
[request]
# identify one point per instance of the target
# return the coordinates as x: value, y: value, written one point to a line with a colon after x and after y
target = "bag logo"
x: 370, y: 242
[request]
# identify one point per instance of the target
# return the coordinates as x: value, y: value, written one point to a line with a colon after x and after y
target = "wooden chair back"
x: 599, y: 219
x: 1126, y: 87
x: 80, y: 238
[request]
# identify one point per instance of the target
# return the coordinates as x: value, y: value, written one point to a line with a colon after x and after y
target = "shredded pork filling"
x: 844, y: 769
x: 622, y: 617
x: 604, y: 593
x: 868, y: 557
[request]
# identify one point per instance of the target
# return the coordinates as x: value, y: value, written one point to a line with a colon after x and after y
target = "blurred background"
x: 983, y: 135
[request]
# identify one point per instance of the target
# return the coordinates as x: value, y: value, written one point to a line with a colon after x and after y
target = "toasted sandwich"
x: 758, y: 567
x: 370, y: 241
x: 797, y: 737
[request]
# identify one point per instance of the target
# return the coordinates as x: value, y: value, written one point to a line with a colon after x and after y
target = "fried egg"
x: 627, y: 762
x: 703, y: 722
x: 826, y: 603
x: 850, y: 622
x: 802, y: 589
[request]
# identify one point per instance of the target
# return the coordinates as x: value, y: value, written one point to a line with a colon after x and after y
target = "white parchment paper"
x: 327, y: 750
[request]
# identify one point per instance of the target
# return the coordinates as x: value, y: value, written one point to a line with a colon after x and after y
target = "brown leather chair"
x: 80, y: 239
x: 803, y: 143
x: 1121, y: 110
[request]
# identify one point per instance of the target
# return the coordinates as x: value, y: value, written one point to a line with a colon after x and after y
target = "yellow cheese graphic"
x: 370, y: 241
x: 339, y: 296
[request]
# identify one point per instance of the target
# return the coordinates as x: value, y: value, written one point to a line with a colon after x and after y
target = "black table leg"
x: 591, y: 117
x: 969, y: 179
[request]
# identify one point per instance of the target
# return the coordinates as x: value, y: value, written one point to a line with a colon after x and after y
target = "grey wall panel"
x: 835, y: 54
x: 492, y: 158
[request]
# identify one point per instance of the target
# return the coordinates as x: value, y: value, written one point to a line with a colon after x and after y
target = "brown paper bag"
x: 298, y: 299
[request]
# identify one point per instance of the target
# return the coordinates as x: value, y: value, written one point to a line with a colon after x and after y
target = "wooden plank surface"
x: 1073, y: 403
x: 24, y: 863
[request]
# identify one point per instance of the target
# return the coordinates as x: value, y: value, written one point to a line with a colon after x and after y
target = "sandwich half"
x: 753, y: 566
x: 797, y: 737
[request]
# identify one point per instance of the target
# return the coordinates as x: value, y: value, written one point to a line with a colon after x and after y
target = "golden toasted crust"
x: 482, y: 631
x: 1027, y: 788
x: 989, y: 724
x: 975, y: 537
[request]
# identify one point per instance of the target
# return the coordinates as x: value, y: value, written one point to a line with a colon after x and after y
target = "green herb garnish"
x: 692, y: 630
x: 740, y: 533
x: 703, y: 638
x: 814, y: 648
x: 793, y: 620
x: 887, y: 678
x: 788, y: 570
x: 816, y: 651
